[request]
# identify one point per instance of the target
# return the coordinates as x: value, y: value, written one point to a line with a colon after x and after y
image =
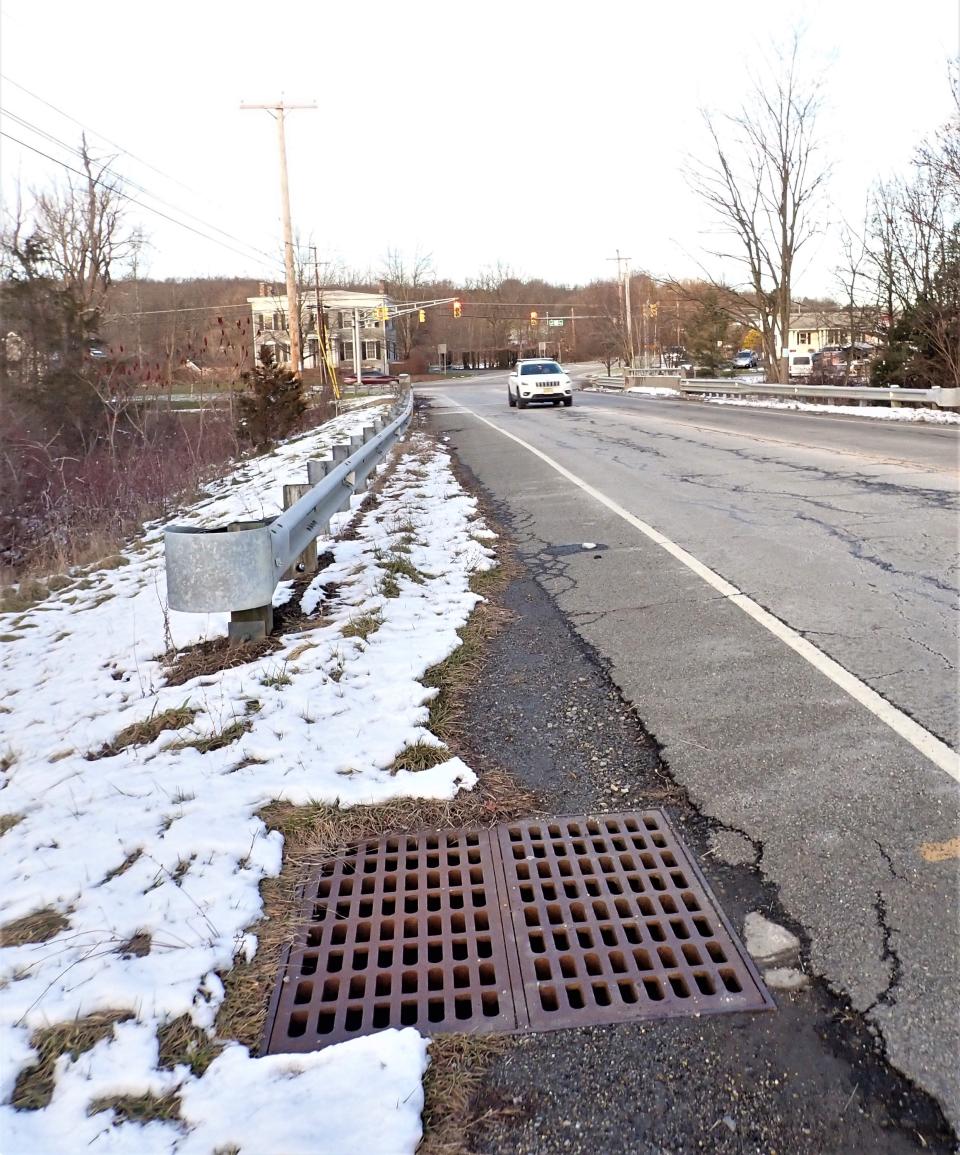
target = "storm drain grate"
x: 528, y: 926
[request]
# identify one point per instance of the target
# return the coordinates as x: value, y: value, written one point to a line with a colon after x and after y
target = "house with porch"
x: 811, y: 331
x: 334, y: 318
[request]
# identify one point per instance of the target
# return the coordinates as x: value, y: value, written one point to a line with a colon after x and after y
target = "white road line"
x: 928, y: 744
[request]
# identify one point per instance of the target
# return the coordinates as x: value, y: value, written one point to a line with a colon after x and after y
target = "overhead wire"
x: 127, y: 196
x: 254, y: 252
x: 112, y: 143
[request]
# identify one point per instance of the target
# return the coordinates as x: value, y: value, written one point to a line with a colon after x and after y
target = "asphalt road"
x: 844, y: 530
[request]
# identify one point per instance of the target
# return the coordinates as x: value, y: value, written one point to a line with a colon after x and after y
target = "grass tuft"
x: 184, y: 1044
x: 145, y: 732
x: 9, y: 821
x: 362, y: 626
x: 123, y: 867
x: 396, y: 565
x: 137, y: 946
x: 138, y: 1108
x: 451, y: 1086
x: 39, y: 926
x: 33, y: 1089
x: 419, y: 756
x: 213, y: 657
x: 215, y: 741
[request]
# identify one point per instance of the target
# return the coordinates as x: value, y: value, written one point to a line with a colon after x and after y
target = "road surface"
x: 776, y: 594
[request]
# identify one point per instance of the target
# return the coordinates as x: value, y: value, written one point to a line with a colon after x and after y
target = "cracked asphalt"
x: 847, y: 533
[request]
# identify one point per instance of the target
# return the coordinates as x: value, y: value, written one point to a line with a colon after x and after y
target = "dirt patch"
x: 452, y: 1084
x: 9, y: 821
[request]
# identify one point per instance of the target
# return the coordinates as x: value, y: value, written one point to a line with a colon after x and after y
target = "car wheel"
x: 521, y: 403
x: 511, y: 400
x: 556, y: 402
x: 567, y: 401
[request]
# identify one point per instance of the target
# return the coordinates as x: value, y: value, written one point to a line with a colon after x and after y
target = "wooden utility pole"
x: 293, y: 303
x: 623, y: 284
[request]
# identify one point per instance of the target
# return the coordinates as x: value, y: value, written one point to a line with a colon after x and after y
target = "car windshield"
x: 538, y: 368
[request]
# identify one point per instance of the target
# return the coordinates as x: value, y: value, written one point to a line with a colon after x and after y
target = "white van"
x: 800, y: 365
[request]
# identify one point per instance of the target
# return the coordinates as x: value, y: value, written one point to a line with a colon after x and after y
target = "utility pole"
x: 293, y: 304
x: 623, y: 285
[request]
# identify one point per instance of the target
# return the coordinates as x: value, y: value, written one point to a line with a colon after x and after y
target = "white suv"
x: 538, y: 380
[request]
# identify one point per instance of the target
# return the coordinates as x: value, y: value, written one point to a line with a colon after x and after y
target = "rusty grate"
x: 528, y: 926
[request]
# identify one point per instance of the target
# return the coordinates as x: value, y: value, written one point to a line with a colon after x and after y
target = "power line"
x: 260, y: 253
x: 107, y: 140
x: 127, y: 196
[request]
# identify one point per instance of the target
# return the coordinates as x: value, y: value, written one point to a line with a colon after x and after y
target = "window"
x: 537, y: 368
x: 346, y: 350
x: 371, y: 350
x: 803, y: 338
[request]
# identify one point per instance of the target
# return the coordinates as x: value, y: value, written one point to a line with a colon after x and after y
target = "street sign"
x: 554, y: 322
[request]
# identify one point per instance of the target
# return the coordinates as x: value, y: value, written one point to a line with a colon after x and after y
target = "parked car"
x: 745, y: 359
x: 371, y: 377
x: 538, y: 380
x: 800, y: 365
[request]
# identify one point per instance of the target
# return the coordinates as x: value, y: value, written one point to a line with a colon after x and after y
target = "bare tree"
x: 81, y: 223
x: 406, y: 283
x: 763, y: 184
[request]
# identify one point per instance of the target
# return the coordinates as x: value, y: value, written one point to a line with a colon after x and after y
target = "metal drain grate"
x: 530, y: 925
x: 612, y: 921
x: 403, y: 931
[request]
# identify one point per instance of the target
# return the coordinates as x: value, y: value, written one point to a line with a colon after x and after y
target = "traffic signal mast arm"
x: 389, y: 312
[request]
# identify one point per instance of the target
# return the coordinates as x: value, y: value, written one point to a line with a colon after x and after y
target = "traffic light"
x: 383, y: 313
x: 533, y: 317
x: 654, y: 309
x: 423, y: 316
x: 457, y: 310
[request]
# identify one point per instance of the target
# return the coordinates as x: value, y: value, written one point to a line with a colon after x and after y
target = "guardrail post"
x: 307, y: 561
x: 253, y: 624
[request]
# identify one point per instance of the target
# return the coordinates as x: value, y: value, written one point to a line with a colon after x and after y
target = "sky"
x: 541, y: 136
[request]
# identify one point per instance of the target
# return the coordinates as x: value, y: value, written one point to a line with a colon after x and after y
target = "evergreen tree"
x: 273, y: 405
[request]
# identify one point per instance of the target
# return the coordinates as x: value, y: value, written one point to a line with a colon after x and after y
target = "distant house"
x: 338, y: 307
x: 812, y: 331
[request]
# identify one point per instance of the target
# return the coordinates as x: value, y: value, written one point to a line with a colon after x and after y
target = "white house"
x: 343, y: 313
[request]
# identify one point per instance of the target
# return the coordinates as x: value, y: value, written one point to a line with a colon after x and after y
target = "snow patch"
x: 162, y: 841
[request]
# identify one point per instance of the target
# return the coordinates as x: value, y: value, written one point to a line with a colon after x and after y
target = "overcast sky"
x: 539, y: 134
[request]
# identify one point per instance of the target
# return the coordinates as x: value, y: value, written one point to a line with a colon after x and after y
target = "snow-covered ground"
x: 881, y: 412
x: 159, y: 844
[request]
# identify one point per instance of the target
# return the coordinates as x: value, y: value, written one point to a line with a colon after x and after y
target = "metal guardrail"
x: 235, y: 568
x: 937, y: 396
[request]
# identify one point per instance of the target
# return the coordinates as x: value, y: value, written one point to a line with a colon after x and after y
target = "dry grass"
x: 39, y: 926
x: 212, y: 657
x: 362, y: 626
x: 419, y: 756
x: 458, y: 1064
x: 183, y: 1044
x: 215, y: 741
x: 137, y: 1108
x: 9, y: 821
x: 398, y: 566
x: 34, y: 1086
x: 454, y: 676
x: 123, y: 867
x: 137, y: 945
x: 7, y: 759
x: 145, y: 732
